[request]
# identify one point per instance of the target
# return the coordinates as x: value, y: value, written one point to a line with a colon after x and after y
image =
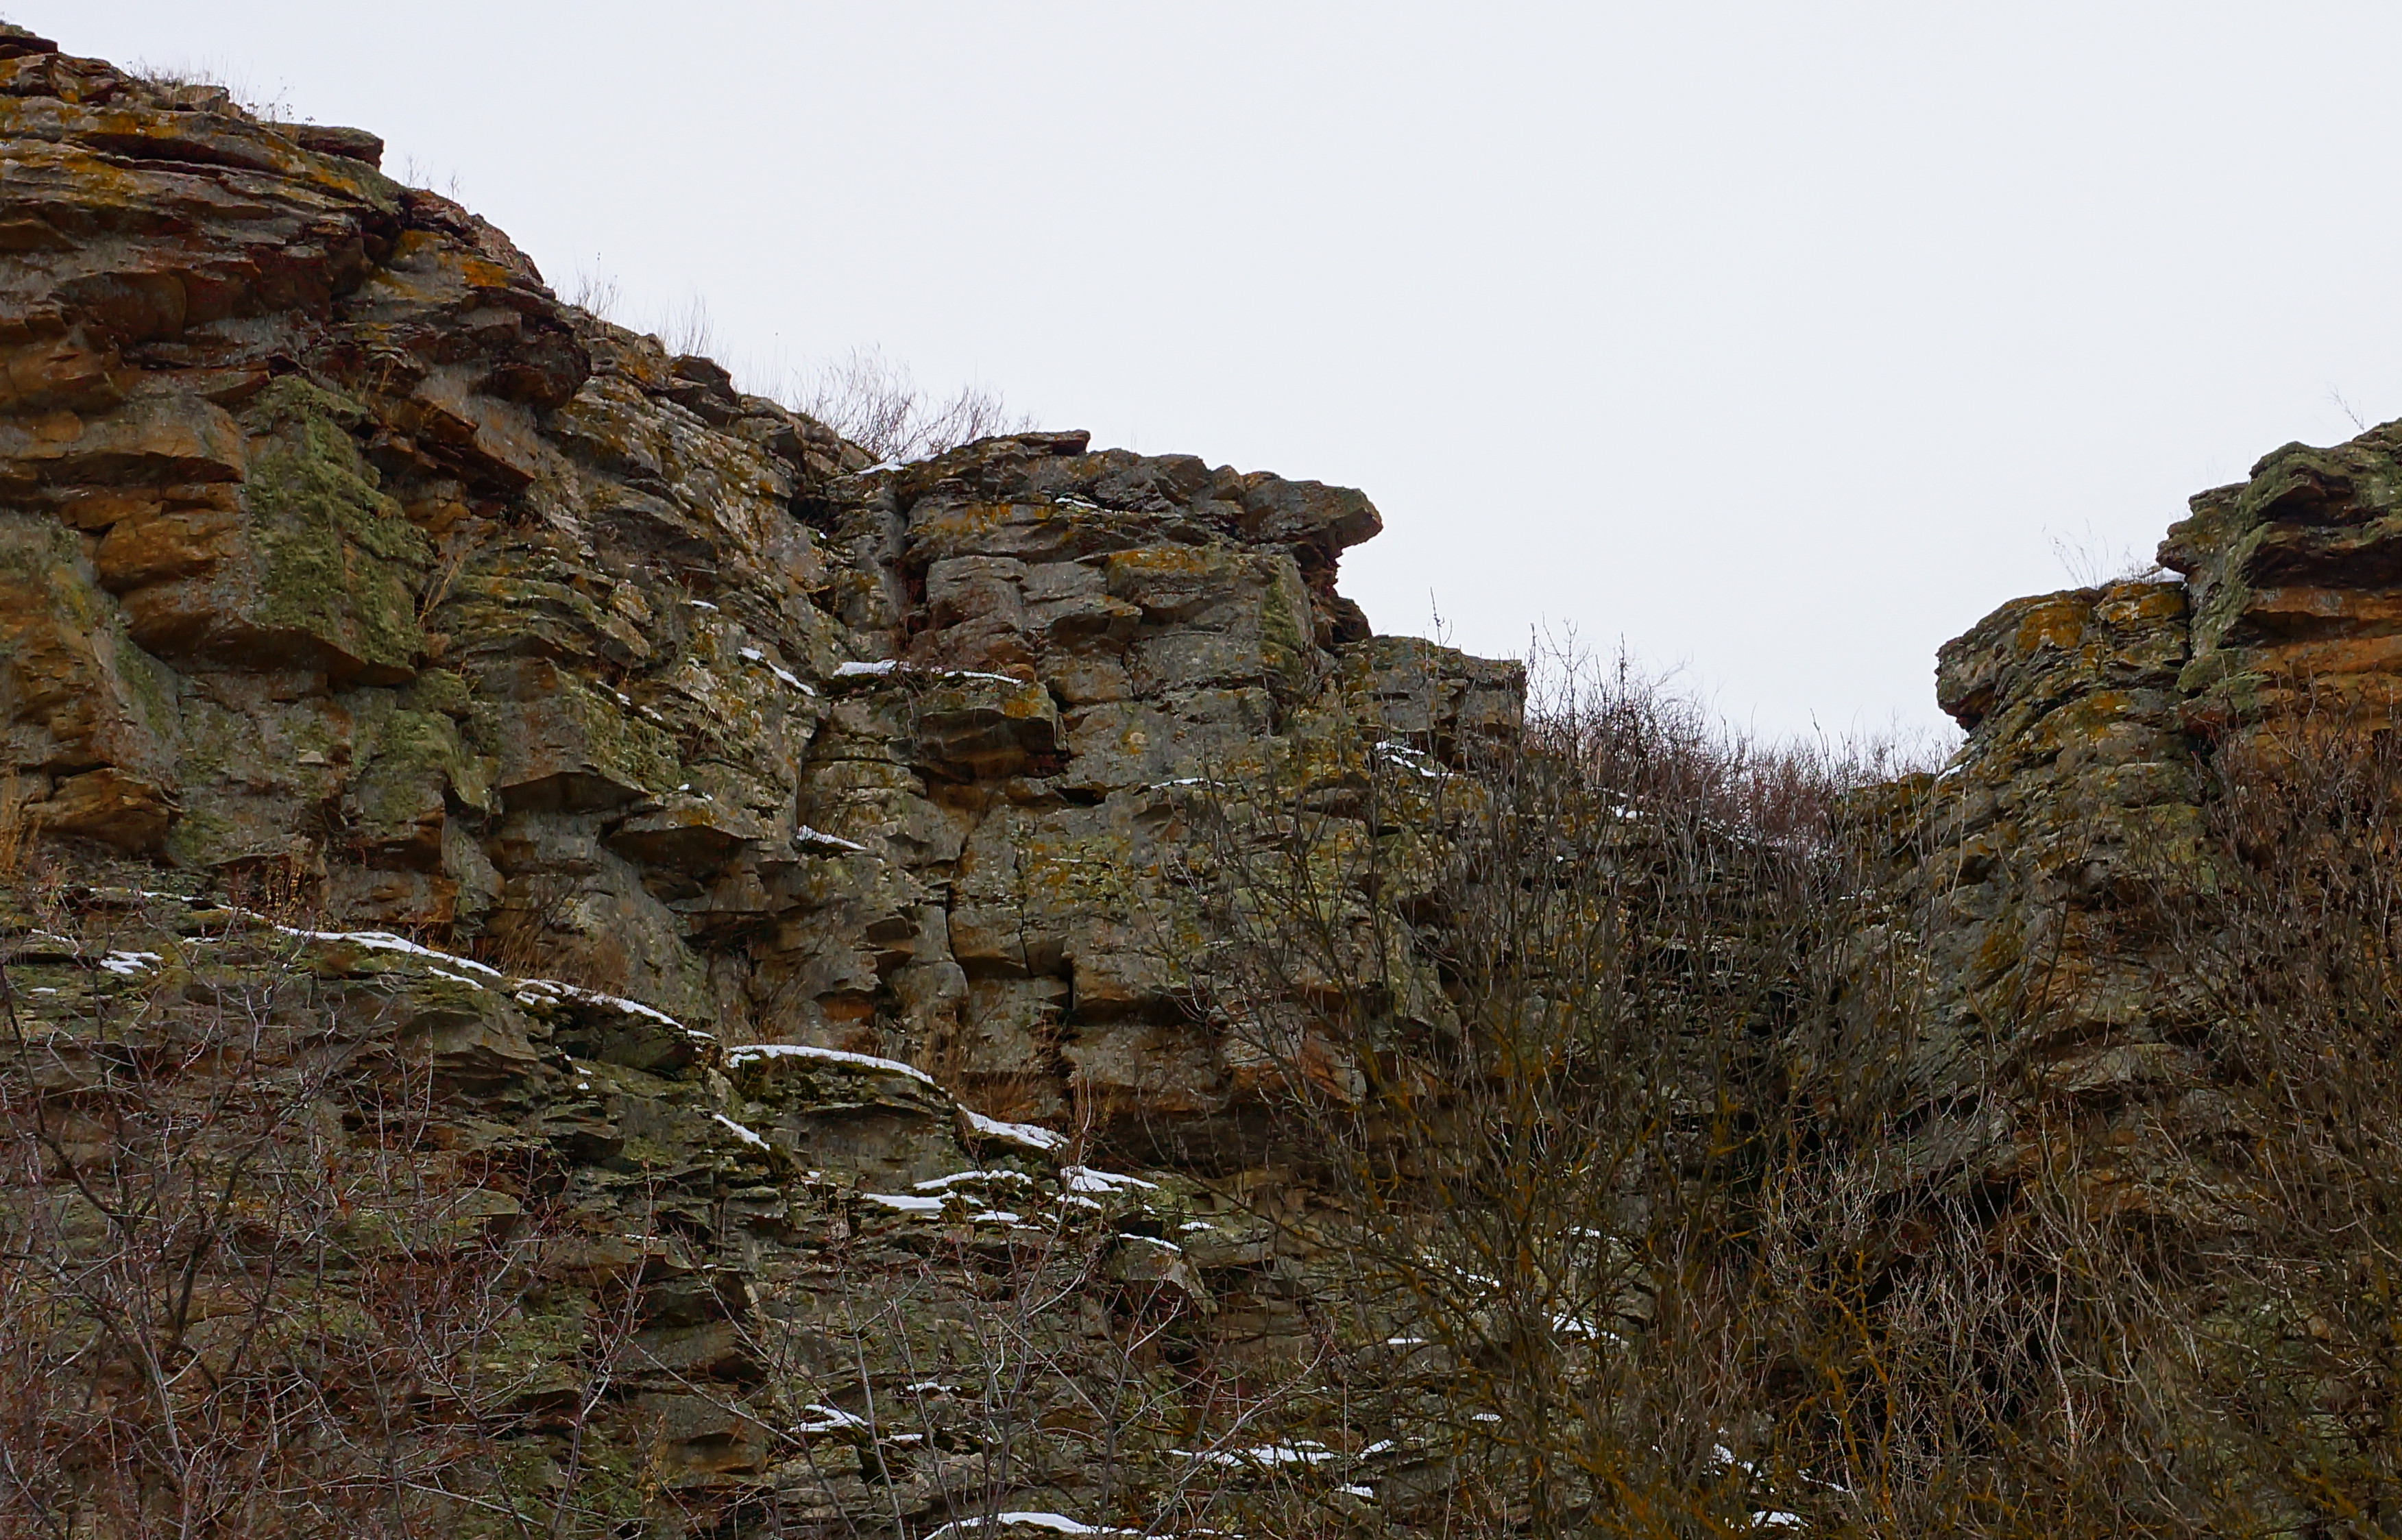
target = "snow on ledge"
x: 1032, y: 1135
x: 1055, y: 1523
x: 536, y: 988
x: 830, y: 1055
x: 1083, y: 1178
x: 383, y: 941
x: 738, y: 1131
x: 819, y: 836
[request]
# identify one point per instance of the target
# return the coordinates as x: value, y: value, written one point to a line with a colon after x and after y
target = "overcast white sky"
x: 1782, y: 341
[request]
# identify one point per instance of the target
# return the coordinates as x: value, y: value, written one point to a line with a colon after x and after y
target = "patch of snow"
x: 936, y: 1184
x: 829, y: 1418
x: 740, y: 1131
x: 878, y: 466
x: 1410, y: 757
x: 1079, y: 1199
x: 997, y: 1217
x: 1382, y: 1446
x: 830, y: 1055
x: 929, y: 1387
x: 456, y: 978
x: 1773, y: 1519
x: 1029, y: 1135
x: 819, y: 836
x: 1405, y: 1341
x: 907, y: 1202
x: 1725, y: 1456
x: 558, y: 990
x: 1485, y: 1417
x: 1083, y: 1178
x: 1189, y: 1226
x: 1154, y: 1241
x: 753, y: 654
x: 1357, y: 1491
x: 1057, y: 1523
x: 384, y: 941
x: 970, y: 673
x: 702, y: 604
x: 40, y: 990
x: 1300, y: 1452
x: 127, y: 964
x: 866, y: 670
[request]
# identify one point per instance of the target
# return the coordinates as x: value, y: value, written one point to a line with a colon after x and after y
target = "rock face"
x: 341, y: 561
x: 2079, y: 803
x: 352, y: 589
x: 2078, y: 778
x: 750, y: 884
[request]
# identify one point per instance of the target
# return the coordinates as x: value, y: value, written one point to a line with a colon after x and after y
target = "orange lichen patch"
x: 2142, y: 603
x: 2364, y: 655
x: 2293, y: 610
x: 2058, y: 622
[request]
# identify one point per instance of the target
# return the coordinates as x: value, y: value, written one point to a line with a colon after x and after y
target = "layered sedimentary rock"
x: 776, y: 876
x: 2077, y: 809
x: 354, y: 588
x: 343, y: 562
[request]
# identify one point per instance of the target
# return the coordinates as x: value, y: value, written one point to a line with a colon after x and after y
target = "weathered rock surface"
x: 342, y: 560
x: 346, y: 573
x: 2043, y: 853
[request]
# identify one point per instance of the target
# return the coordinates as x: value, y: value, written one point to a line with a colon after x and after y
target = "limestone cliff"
x: 2094, y: 718
x: 759, y: 869
x: 651, y: 926
x: 343, y: 562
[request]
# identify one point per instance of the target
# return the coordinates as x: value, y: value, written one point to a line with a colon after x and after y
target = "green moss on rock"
x: 339, y: 561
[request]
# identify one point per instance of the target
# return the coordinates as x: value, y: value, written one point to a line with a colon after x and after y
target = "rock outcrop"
x: 741, y: 896
x: 2078, y: 805
x: 764, y: 872
x: 344, y: 563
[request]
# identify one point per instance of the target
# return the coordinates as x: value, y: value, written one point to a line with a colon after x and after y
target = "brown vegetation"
x: 1598, y: 1035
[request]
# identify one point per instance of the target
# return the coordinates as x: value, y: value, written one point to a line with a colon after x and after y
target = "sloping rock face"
x: 727, y: 900
x: 2044, y: 854
x: 551, y: 1256
x: 736, y: 883
x: 343, y: 564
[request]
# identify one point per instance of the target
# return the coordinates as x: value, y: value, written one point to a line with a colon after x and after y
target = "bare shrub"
x: 211, y: 88
x: 2174, y: 1316
x: 688, y: 328
x: 1603, y: 1037
x: 250, y: 1285
x: 933, y: 1379
x: 19, y: 826
x: 2092, y: 560
x: 597, y: 291
x: 1523, y: 997
x: 876, y: 404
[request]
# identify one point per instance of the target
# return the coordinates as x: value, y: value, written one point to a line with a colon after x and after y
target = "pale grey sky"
x: 1781, y: 339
